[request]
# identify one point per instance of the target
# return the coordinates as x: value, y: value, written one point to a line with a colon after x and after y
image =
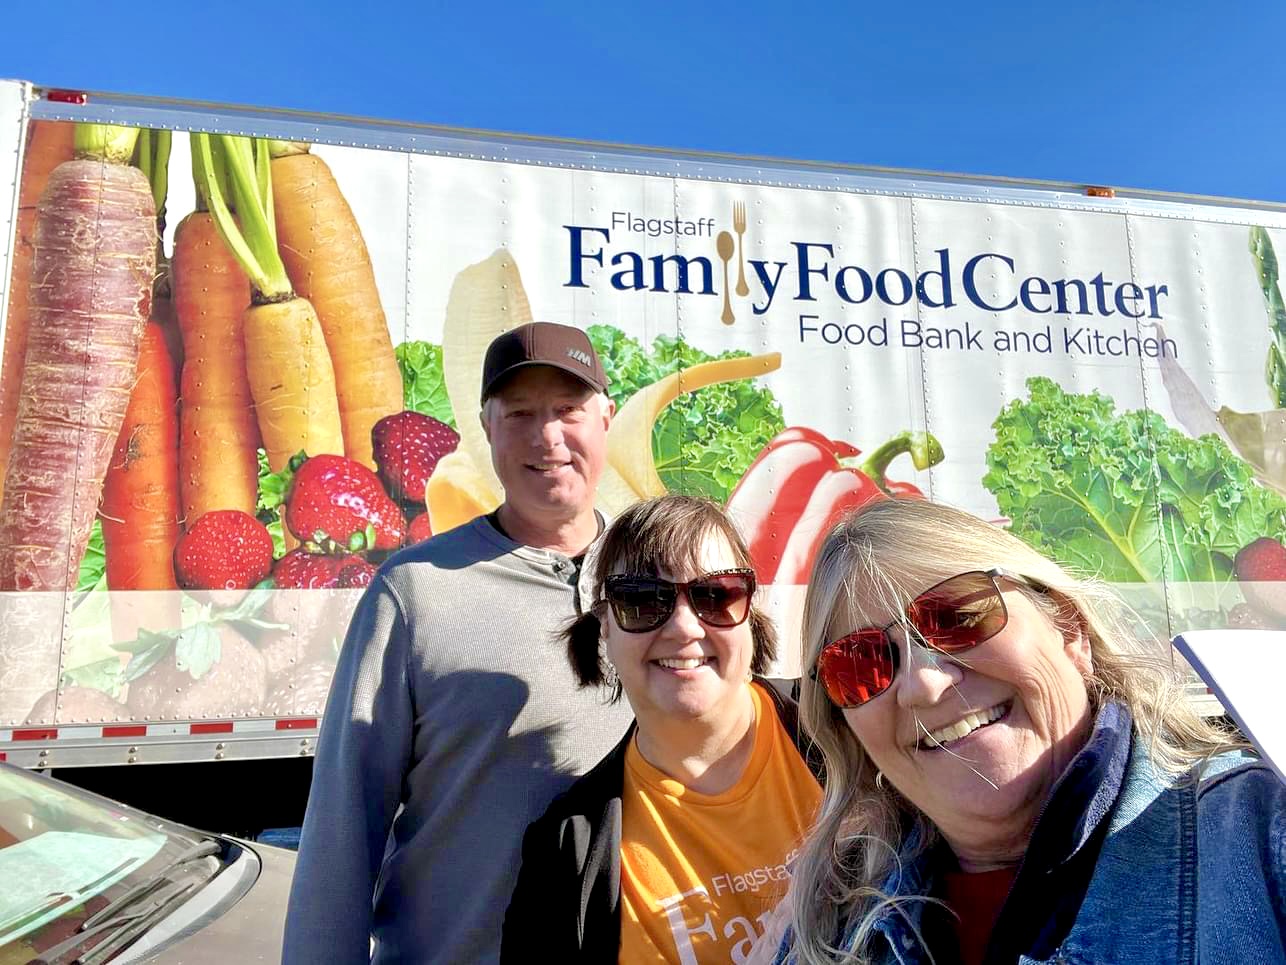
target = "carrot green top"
x: 105, y: 142
x: 287, y: 148
x: 233, y: 172
x: 152, y: 156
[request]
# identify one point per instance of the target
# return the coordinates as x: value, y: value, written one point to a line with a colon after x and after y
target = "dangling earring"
x: 879, y: 780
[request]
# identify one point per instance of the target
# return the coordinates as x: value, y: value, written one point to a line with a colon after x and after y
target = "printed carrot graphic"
x: 140, y: 494
x: 95, y: 254
x: 49, y: 144
x: 140, y: 506
x: 328, y: 264
x: 291, y: 377
x: 218, y: 433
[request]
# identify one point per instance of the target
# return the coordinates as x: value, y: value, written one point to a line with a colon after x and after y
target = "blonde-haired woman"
x: 1010, y: 777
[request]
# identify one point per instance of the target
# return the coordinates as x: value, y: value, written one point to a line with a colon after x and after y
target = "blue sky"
x: 1177, y: 97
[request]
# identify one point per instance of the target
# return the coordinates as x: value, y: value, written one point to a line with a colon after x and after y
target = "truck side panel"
x: 1070, y: 367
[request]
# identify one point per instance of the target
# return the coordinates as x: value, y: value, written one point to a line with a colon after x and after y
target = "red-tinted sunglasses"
x: 952, y: 616
x: 642, y: 603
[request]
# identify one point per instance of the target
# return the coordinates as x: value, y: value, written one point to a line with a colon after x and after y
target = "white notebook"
x: 1246, y: 670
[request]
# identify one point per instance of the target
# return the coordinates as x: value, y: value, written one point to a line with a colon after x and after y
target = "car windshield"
x: 66, y: 856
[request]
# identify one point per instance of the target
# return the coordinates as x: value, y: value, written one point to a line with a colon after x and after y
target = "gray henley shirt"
x: 452, y: 722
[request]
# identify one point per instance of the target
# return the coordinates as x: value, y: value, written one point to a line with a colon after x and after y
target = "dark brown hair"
x: 666, y: 533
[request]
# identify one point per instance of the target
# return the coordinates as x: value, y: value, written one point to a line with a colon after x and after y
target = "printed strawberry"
x: 1261, y: 568
x: 356, y: 573
x: 339, y: 505
x: 1263, y: 561
x: 407, y: 447
x: 1243, y: 616
x: 419, y: 530
x: 225, y: 549
x: 232, y: 683
x: 301, y: 570
x: 300, y: 689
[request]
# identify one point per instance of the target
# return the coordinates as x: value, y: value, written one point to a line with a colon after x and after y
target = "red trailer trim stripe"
x: 214, y: 727
x: 72, y: 733
x: 131, y: 730
x: 36, y: 734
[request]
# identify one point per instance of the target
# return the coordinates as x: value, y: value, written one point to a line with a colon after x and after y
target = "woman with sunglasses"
x: 675, y: 847
x: 1009, y: 776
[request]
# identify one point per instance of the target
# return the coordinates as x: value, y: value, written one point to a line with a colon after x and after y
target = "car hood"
x: 250, y: 931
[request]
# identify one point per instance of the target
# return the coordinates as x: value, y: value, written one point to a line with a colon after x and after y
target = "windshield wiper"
x: 131, y: 923
x: 133, y: 911
x: 196, y: 852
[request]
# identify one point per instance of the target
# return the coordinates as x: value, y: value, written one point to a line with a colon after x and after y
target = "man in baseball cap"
x: 454, y: 718
x: 546, y: 415
x: 542, y: 343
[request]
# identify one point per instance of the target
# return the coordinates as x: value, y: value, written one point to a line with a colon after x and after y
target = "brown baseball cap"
x: 564, y: 347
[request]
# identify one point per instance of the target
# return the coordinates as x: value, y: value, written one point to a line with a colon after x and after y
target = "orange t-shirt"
x: 699, y: 870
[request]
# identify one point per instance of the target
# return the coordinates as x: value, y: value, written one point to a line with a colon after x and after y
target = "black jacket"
x: 567, y: 901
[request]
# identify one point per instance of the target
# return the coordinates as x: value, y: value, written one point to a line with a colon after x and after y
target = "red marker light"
x: 212, y: 727
x: 126, y: 730
x: 61, y: 96
x: 1094, y: 191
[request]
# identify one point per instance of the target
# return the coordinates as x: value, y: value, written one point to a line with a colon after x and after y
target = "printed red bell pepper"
x: 803, y: 483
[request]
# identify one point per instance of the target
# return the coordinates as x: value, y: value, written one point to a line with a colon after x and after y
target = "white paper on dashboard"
x: 1244, y: 669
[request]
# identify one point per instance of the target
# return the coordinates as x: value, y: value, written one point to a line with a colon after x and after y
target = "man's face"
x: 548, y: 435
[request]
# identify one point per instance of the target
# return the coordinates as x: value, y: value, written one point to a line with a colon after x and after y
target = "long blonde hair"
x: 871, y: 565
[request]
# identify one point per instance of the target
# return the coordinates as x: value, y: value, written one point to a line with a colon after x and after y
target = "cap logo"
x: 581, y: 357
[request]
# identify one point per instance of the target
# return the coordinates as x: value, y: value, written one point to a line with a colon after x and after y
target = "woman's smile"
x: 963, y: 728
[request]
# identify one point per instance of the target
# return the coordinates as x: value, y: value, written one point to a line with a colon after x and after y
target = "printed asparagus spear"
x: 1261, y: 250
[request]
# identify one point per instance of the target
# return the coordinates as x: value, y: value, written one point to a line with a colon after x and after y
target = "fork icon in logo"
x: 739, y: 226
x: 726, y: 246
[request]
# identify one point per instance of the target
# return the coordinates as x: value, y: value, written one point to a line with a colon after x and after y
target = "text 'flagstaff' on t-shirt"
x: 700, y: 873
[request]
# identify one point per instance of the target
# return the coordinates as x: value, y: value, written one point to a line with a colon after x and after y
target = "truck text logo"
x: 810, y: 268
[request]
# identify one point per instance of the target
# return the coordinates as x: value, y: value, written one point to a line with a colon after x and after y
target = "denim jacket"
x: 1181, y: 871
